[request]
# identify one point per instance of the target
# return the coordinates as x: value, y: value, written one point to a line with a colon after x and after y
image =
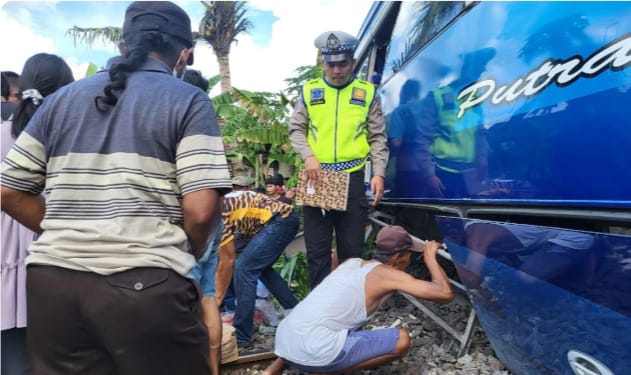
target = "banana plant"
x: 256, y: 126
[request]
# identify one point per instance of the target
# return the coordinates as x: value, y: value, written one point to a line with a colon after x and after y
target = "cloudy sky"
x: 281, y: 41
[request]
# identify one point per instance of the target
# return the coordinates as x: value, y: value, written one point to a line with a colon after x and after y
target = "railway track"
x: 259, y: 358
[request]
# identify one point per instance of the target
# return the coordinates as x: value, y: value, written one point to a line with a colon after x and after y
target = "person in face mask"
x: 133, y: 165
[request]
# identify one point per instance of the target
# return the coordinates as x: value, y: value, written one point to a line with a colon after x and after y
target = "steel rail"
x: 247, y: 360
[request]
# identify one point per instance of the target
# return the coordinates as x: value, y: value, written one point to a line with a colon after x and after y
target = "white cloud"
x: 78, y: 68
x: 18, y: 50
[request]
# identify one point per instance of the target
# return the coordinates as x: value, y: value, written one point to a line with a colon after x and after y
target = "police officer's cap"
x: 336, y: 45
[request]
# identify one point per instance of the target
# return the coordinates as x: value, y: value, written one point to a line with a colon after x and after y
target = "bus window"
x: 417, y: 23
x: 362, y: 72
x: 370, y: 67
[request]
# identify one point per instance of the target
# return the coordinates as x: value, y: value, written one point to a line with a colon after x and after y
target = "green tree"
x: 255, y: 128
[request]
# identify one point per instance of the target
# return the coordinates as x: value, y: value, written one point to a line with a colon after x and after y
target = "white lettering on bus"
x: 615, y: 56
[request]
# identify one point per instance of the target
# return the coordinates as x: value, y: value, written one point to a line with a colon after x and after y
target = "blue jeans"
x: 204, y: 270
x: 255, y: 262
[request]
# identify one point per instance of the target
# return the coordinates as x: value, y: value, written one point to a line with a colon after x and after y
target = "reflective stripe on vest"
x: 338, y: 121
x: 454, y: 148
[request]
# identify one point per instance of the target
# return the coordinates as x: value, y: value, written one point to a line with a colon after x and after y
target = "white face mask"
x: 175, y: 67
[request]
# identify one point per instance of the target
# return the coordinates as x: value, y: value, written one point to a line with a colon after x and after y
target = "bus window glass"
x: 417, y: 23
x: 362, y: 72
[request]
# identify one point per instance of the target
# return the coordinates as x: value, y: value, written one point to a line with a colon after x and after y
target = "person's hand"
x: 376, y: 188
x: 312, y: 169
x: 431, y: 249
x: 291, y: 193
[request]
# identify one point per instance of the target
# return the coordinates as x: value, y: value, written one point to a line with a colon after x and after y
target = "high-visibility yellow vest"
x: 451, y: 147
x: 338, y: 122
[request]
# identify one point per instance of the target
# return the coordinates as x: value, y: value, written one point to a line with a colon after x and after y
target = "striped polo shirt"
x: 114, y: 180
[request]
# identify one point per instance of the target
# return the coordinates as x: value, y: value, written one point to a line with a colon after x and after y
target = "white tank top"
x: 315, y: 331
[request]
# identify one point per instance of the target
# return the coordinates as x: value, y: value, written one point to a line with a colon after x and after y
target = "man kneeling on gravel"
x: 321, y: 334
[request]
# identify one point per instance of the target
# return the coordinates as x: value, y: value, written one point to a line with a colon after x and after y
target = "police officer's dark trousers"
x: 348, y: 226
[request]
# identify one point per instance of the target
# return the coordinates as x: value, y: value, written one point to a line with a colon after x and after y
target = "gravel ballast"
x: 433, y: 350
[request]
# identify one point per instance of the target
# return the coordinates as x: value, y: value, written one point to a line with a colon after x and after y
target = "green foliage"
x: 92, y: 68
x: 222, y: 22
x: 305, y: 73
x: 224, y: 105
x: 369, y: 245
x: 294, y: 271
x: 212, y: 81
x: 256, y: 124
x: 89, y: 35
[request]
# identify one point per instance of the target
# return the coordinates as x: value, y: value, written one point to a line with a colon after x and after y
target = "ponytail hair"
x: 42, y: 75
x: 137, y: 48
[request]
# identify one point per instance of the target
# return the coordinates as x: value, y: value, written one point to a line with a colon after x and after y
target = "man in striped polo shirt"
x: 132, y: 166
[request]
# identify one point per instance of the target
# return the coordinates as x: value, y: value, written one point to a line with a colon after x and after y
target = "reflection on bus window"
x: 417, y: 23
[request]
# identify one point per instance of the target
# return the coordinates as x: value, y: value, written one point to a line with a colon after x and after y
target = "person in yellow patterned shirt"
x: 271, y: 225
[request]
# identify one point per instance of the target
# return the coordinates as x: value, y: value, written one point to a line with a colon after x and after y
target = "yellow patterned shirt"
x: 248, y: 212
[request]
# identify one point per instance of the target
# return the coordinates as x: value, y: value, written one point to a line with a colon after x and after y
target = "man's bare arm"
x: 438, y: 289
x: 225, y: 266
x: 28, y: 209
x: 201, y: 217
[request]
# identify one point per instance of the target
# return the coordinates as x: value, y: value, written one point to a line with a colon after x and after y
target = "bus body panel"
x: 516, y: 135
x: 539, y: 302
x: 509, y: 131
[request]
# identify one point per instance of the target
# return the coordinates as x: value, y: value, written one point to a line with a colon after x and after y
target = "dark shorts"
x: 141, y: 321
x: 359, y: 347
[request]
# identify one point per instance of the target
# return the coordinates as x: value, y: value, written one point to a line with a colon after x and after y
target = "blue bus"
x: 509, y: 127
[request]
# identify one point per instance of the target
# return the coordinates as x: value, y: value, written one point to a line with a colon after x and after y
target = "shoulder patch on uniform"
x: 317, y: 96
x: 358, y: 96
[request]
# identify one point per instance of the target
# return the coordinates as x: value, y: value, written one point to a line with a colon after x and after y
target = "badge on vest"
x: 359, y: 96
x: 317, y: 96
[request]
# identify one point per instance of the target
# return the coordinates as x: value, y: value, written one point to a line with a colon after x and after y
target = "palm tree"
x: 219, y: 27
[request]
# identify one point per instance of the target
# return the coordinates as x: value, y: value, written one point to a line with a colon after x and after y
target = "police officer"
x: 336, y: 125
